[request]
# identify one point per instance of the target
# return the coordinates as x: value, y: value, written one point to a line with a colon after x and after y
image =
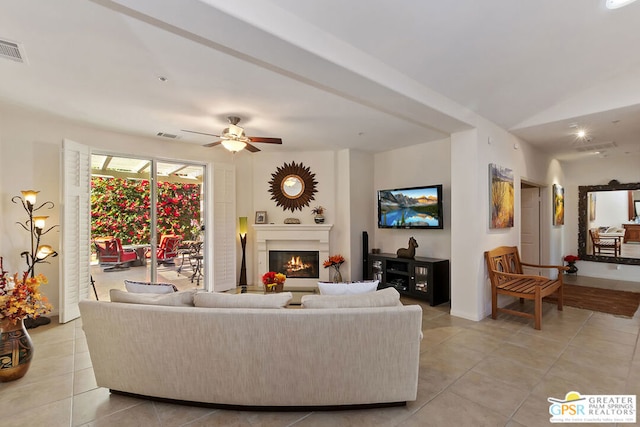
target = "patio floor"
x: 167, y: 273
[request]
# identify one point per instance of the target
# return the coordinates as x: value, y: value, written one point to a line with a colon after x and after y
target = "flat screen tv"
x: 415, y: 207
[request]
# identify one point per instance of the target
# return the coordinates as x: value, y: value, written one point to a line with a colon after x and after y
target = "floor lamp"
x: 243, y: 241
x: 35, y: 226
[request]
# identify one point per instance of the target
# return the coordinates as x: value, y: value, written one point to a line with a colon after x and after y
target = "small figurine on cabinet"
x: 409, y: 252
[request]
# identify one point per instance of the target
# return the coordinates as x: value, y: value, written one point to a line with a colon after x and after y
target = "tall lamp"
x: 35, y: 225
x: 243, y: 241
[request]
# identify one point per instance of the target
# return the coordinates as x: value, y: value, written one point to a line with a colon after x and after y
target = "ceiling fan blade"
x: 266, y: 140
x: 201, y: 133
x: 252, y: 148
x: 212, y: 144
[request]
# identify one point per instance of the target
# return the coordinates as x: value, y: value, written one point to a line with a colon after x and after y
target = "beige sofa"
x: 259, y: 357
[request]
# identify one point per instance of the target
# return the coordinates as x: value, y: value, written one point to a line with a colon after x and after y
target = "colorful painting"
x: 502, y: 196
x: 592, y: 207
x: 558, y: 205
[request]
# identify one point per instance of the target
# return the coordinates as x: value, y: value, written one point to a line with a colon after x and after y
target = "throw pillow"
x: 176, y: 299
x: 327, y: 288
x: 224, y: 300
x: 388, y: 297
x: 149, y: 287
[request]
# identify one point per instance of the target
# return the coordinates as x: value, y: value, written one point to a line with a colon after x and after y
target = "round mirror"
x: 292, y: 186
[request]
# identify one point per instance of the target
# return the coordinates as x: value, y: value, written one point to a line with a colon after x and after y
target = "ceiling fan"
x: 234, y: 139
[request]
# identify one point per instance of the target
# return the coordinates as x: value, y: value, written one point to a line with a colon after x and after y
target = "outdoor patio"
x: 167, y: 273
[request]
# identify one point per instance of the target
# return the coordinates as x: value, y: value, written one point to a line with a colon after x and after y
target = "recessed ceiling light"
x: 162, y: 78
x: 581, y: 133
x: 615, y: 4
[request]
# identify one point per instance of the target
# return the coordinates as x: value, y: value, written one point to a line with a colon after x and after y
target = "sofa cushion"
x: 224, y: 300
x: 327, y: 288
x: 387, y: 297
x: 179, y: 299
x: 149, y: 287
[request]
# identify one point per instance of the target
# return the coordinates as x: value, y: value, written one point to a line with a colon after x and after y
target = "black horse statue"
x: 409, y: 252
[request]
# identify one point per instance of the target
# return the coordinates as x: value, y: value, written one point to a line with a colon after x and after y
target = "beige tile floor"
x: 488, y: 373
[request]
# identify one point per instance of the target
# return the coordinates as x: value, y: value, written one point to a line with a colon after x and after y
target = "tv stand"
x: 421, y: 278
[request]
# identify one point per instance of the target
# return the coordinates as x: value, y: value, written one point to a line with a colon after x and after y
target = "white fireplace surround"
x: 292, y: 237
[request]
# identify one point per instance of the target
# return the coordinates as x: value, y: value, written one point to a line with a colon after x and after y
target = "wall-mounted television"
x: 414, y: 207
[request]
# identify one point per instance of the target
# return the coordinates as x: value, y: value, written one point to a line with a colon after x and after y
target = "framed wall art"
x: 501, y: 196
x: 558, y: 205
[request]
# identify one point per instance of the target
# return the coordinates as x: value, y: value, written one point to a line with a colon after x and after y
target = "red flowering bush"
x: 571, y: 258
x: 121, y: 208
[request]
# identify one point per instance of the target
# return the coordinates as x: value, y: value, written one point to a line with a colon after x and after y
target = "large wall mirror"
x: 292, y: 186
x: 613, y: 210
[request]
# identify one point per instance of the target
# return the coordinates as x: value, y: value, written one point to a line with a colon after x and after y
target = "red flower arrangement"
x: 271, y: 279
x: 334, y: 260
x: 571, y: 258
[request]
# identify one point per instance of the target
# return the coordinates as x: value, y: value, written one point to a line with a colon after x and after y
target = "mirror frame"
x: 293, y: 202
x: 583, y: 192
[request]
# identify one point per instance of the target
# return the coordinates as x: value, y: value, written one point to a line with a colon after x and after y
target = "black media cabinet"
x: 422, y: 278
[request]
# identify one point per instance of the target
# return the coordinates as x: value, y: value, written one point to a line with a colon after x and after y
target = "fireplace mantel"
x: 312, y: 237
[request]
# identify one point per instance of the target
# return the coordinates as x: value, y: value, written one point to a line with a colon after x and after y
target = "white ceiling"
x: 330, y: 74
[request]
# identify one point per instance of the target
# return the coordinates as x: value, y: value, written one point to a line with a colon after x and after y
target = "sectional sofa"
x: 247, y: 350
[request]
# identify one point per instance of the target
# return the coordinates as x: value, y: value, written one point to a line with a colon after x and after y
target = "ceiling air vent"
x: 596, y: 147
x: 167, y: 135
x: 10, y: 50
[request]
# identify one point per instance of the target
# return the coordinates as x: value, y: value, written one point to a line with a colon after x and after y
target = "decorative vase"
x: 16, y: 350
x: 337, y: 276
x: 319, y: 219
x: 572, y: 268
x: 279, y: 287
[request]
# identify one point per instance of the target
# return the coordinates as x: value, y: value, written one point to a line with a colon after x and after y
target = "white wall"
x: 30, y: 144
x: 597, y: 171
x: 418, y: 165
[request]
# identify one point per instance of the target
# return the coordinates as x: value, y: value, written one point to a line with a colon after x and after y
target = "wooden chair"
x: 505, y: 273
x: 603, y: 245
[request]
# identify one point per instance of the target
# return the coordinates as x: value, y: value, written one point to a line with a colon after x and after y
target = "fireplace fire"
x: 295, y: 264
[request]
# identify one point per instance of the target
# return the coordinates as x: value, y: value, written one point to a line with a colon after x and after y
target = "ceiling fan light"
x: 615, y: 4
x: 235, y: 131
x: 233, y: 145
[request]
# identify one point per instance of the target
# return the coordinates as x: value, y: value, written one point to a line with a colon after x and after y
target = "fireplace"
x: 293, y: 238
x: 295, y: 264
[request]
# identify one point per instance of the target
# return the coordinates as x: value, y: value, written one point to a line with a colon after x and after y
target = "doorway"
x: 158, y: 244
x: 530, y: 202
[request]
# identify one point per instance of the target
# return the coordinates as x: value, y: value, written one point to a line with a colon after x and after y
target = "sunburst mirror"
x: 292, y: 186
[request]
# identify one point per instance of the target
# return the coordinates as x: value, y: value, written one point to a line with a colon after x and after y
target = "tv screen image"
x: 415, y: 207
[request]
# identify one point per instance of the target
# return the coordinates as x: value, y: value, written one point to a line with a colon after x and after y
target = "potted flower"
x: 335, y: 261
x: 273, y: 282
x: 318, y: 211
x: 20, y: 297
x: 571, y: 262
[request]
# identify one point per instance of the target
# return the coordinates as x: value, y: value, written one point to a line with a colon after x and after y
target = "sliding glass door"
x: 132, y: 240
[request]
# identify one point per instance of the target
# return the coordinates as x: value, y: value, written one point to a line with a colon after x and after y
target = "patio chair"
x: 168, y: 248
x: 111, y: 254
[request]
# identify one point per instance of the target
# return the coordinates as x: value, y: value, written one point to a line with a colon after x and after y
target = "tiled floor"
x: 487, y: 373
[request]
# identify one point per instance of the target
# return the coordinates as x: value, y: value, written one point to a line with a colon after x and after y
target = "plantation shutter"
x: 76, y: 216
x: 224, y: 227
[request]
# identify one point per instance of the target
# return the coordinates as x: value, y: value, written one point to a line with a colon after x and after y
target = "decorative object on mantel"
x: 292, y: 221
x: 318, y: 211
x: 35, y: 225
x: 19, y: 298
x: 410, y: 252
x: 273, y: 282
x: 261, y: 217
x: 292, y: 186
x: 242, y: 229
x: 571, y: 263
x: 335, y: 261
